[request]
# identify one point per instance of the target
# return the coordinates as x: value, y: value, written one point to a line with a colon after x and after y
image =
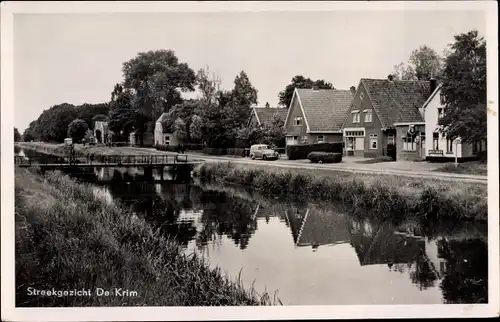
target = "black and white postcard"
x: 208, y: 160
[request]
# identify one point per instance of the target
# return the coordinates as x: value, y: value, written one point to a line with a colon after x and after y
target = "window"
x: 368, y: 115
x: 390, y: 138
x: 320, y: 139
x: 298, y: 120
x: 442, y: 99
x: 440, y: 113
x: 361, y: 96
x: 167, y: 140
x: 355, y: 117
x: 409, y: 143
x: 373, y: 141
x: 449, y: 146
x: 435, y: 141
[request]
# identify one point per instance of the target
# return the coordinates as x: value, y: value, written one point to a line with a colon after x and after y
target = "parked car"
x: 264, y: 152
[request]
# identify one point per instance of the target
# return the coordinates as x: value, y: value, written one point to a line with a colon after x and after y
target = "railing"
x: 103, y: 160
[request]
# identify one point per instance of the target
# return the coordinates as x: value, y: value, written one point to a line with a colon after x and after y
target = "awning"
x: 354, y: 111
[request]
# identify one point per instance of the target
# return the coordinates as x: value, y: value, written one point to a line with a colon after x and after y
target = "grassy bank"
x: 474, y: 167
x: 388, y: 197
x: 67, y: 238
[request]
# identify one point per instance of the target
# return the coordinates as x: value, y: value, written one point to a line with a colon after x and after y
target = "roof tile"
x: 325, y: 109
x: 398, y: 100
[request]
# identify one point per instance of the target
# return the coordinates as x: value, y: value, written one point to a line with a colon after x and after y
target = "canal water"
x: 309, y: 253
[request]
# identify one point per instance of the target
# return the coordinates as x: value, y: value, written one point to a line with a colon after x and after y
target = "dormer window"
x: 298, y: 120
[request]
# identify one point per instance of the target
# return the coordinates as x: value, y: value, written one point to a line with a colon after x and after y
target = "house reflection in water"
x: 314, y: 226
x: 380, y: 244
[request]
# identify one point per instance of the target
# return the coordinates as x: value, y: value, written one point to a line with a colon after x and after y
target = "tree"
x: 157, y: 78
x: 208, y: 86
x: 244, y: 94
x: 88, y: 112
x: 99, y: 117
x: 236, y: 103
x: 52, y: 124
x: 276, y: 131
x: 299, y: 81
x: 184, y: 111
x: 196, y: 127
x: 30, y: 133
x: 122, y: 116
x: 423, y: 64
x: 464, y: 89
x: 180, y: 130
x: 77, y: 129
x: 17, y: 135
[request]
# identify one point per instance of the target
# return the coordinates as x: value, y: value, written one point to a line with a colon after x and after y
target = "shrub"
x: 296, y: 152
x: 324, y: 157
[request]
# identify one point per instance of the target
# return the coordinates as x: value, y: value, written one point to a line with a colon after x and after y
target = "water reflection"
x: 312, y: 253
x: 452, y: 266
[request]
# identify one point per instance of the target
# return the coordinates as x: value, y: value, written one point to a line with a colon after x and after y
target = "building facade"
x: 315, y: 116
x: 382, y: 113
x: 439, y: 147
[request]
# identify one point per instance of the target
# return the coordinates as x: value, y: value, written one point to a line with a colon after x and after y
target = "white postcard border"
x: 9, y: 312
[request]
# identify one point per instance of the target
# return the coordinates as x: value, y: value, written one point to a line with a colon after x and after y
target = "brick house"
x: 382, y: 112
x: 262, y: 116
x: 316, y: 116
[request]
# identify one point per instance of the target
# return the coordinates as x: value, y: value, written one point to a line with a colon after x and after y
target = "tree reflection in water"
x: 227, y: 216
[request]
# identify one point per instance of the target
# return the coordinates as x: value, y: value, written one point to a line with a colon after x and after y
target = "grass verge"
x: 474, y: 167
x: 388, y: 197
x: 67, y: 238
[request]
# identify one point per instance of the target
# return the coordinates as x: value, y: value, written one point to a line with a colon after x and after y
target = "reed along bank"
x: 387, y: 197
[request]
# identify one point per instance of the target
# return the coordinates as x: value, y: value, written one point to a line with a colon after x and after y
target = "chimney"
x: 353, y: 90
x: 433, y: 83
x: 267, y: 104
x: 390, y: 77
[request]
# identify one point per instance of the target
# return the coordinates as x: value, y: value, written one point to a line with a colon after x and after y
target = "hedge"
x: 169, y: 148
x: 236, y: 151
x: 214, y: 151
x: 296, y: 152
x: 325, y: 157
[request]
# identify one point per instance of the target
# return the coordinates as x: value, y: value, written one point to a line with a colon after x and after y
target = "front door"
x: 359, y: 144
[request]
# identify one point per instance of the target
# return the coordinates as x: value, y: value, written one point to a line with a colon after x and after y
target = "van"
x: 264, y: 152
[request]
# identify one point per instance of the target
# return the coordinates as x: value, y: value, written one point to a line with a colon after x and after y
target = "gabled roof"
x: 438, y: 88
x: 324, y: 109
x: 397, y: 101
x: 265, y: 115
x: 165, y: 122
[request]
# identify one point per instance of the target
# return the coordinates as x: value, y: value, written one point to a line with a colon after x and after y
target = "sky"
x: 77, y: 58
